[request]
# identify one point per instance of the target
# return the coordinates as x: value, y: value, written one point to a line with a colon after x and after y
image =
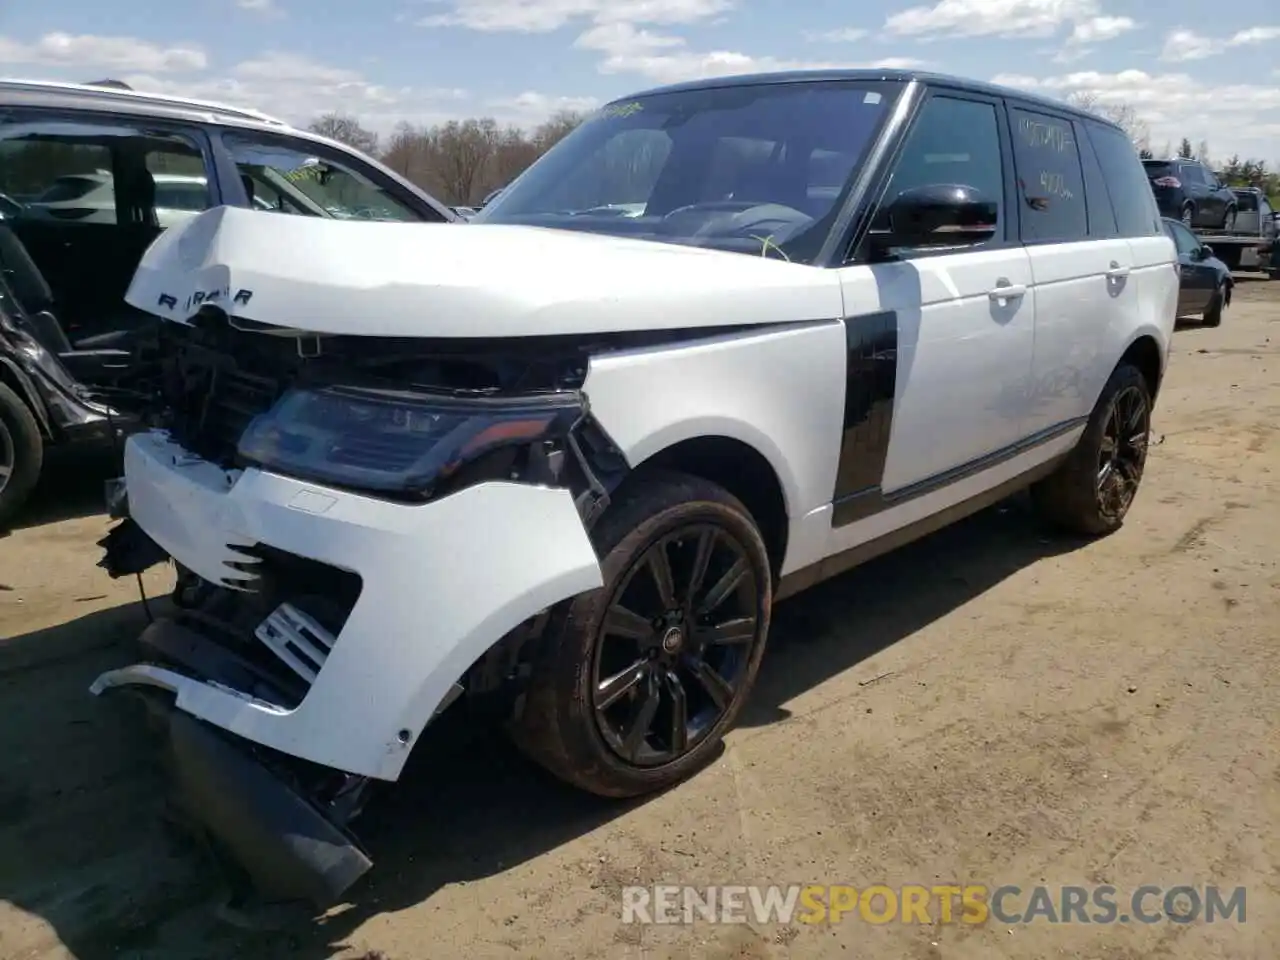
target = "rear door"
x: 88, y: 253
x: 1080, y: 266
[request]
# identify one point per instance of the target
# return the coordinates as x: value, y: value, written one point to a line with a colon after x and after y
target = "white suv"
x: 725, y: 340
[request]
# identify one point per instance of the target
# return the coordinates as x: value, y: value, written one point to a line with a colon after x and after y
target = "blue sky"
x: 1180, y: 71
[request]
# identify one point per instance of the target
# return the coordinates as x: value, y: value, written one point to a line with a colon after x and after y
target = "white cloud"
x: 110, y: 53
x: 990, y: 18
x: 843, y: 35
x: 1234, y: 118
x: 1098, y: 29
x: 263, y: 8
x: 542, y: 16
x: 620, y: 31
x: 530, y: 108
x: 1183, y: 44
x: 669, y: 59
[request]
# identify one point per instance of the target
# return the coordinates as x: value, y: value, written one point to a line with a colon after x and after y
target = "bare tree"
x: 464, y: 150
x: 1124, y: 115
x: 345, y: 129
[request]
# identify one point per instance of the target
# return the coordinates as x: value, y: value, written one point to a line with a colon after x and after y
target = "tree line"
x: 463, y: 161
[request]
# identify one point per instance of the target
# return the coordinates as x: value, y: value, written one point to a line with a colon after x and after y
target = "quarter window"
x: 1126, y: 182
x: 1050, y: 179
x: 953, y: 141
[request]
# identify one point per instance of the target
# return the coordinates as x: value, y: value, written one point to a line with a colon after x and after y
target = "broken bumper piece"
x: 287, y: 848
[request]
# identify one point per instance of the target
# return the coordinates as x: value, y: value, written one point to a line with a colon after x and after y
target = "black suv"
x: 89, y: 177
x: 1189, y: 191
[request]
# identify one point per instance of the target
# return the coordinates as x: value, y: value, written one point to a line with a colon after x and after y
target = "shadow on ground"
x: 82, y: 852
x: 71, y: 486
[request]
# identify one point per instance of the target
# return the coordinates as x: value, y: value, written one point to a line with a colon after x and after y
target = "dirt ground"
x: 989, y: 705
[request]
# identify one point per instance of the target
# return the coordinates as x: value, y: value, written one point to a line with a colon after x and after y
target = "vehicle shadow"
x: 466, y: 808
x: 70, y: 487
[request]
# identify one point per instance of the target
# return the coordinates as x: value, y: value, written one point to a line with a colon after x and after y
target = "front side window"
x: 292, y: 178
x: 1050, y: 178
x: 1183, y: 238
x: 757, y: 169
x: 953, y: 141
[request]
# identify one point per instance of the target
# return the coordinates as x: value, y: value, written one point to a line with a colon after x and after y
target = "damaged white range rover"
x: 723, y: 341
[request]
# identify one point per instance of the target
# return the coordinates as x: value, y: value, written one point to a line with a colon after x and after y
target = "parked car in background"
x: 89, y: 177
x: 1189, y: 191
x: 1204, y: 280
x: 562, y: 463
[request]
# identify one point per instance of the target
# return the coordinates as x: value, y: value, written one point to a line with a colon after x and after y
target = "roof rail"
x: 100, y: 92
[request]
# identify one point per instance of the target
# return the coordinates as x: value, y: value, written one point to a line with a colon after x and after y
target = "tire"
x: 575, y: 729
x: 1075, y: 497
x: 1229, y: 219
x: 21, y: 453
x: 1188, y: 215
x: 1213, y: 312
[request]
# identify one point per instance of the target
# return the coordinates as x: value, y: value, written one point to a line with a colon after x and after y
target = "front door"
x: 960, y: 320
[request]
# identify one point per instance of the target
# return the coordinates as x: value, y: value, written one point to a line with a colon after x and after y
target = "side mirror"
x: 940, y: 215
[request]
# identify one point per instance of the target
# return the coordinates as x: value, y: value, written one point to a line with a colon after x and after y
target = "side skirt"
x: 839, y: 563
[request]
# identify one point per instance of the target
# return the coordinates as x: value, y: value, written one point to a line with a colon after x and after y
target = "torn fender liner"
x: 287, y: 847
x: 128, y: 550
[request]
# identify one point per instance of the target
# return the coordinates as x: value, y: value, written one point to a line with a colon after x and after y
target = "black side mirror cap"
x: 939, y: 215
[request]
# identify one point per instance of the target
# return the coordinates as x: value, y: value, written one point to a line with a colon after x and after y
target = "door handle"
x: 1004, y: 290
x: 1117, y: 272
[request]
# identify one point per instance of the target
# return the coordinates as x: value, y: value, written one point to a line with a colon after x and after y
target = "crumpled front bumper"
x: 441, y: 583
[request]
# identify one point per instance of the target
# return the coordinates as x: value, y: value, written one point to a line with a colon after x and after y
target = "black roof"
x: 871, y: 74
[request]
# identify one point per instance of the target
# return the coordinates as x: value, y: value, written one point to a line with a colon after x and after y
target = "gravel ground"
x: 987, y: 706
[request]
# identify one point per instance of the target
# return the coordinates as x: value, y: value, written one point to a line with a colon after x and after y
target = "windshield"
x: 758, y: 169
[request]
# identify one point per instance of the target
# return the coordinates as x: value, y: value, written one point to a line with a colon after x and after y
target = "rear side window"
x: 1247, y: 202
x: 1126, y: 182
x: 1050, y: 178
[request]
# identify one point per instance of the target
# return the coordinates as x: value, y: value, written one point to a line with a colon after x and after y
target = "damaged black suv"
x: 90, y: 175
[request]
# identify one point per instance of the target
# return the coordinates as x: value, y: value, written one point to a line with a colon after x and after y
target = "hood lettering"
x: 202, y: 297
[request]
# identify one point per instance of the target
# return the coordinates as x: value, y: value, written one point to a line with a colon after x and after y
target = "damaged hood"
x: 375, y: 278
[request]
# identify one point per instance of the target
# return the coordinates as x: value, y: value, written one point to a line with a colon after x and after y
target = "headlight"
x: 395, y: 442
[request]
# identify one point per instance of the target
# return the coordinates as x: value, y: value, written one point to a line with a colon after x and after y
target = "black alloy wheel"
x: 636, y: 683
x: 675, y: 644
x: 1123, y: 452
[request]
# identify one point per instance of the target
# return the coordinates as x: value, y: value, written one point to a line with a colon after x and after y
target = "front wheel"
x: 21, y: 453
x: 641, y: 678
x: 1188, y: 216
x: 1229, y: 220
x: 1091, y: 491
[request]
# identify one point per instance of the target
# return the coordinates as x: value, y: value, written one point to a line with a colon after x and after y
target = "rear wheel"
x: 1091, y: 491
x: 641, y: 678
x: 21, y: 453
